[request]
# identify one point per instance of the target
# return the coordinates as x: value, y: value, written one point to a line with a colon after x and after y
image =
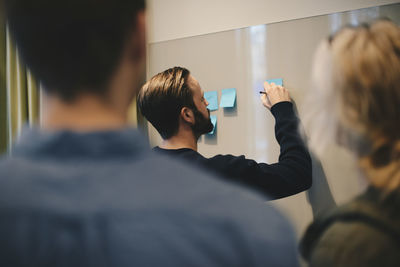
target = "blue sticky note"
x: 228, y: 98
x: 214, y: 122
x: 276, y: 81
x: 212, y: 99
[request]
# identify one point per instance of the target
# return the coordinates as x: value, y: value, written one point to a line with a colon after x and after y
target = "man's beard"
x: 202, y: 124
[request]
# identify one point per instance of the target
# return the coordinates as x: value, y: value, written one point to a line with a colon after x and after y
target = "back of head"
x: 357, y: 92
x: 72, y: 46
x: 161, y: 99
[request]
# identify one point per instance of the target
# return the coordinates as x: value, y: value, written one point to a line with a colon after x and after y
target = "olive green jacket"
x: 364, y: 232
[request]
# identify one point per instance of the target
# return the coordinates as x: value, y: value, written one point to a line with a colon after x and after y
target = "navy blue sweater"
x: 290, y: 175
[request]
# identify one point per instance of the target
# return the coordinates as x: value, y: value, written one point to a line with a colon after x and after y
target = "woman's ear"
x: 187, y: 115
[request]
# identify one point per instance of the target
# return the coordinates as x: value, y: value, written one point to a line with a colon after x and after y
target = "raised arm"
x: 293, y: 172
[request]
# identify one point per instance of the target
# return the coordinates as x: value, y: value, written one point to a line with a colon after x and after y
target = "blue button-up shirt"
x: 104, y: 199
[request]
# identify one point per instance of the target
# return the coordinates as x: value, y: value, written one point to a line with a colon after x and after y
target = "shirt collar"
x: 64, y: 144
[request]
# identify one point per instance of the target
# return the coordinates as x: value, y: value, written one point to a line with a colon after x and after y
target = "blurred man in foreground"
x: 85, y: 190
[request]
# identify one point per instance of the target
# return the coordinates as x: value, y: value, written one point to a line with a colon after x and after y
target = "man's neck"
x: 86, y: 113
x: 91, y: 112
x: 181, y: 140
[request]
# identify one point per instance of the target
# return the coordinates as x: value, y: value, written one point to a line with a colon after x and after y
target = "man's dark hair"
x: 161, y: 99
x: 72, y: 46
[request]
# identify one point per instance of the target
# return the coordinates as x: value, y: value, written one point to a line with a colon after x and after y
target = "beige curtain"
x: 19, y: 94
x: 3, y: 95
x: 22, y: 93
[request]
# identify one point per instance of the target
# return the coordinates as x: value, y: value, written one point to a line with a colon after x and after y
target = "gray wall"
x: 243, y: 59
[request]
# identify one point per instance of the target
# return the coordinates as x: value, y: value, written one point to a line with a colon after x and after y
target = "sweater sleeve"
x: 290, y: 175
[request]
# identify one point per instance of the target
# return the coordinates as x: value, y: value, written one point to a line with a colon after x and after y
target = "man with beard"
x: 173, y: 102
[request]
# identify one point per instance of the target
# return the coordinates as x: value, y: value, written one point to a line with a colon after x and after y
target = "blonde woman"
x: 356, y: 99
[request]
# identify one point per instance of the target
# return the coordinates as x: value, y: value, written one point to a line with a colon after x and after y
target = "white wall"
x: 172, y: 19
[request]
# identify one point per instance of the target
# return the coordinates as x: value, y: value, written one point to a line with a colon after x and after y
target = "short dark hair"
x: 161, y: 99
x: 72, y: 46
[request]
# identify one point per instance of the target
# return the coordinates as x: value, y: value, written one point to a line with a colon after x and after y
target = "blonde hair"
x: 355, y: 99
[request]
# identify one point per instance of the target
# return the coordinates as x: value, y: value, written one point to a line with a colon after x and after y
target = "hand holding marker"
x: 274, y: 93
x: 275, y: 82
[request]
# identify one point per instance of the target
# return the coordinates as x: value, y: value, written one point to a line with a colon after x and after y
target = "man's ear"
x: 141, y: 34
x: 137, y: 40
x: 187, y: 115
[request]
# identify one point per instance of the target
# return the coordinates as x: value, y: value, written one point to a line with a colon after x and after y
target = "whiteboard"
x: 243, y: 59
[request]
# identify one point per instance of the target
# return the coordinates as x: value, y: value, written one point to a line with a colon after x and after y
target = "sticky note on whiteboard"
x: 212, y: 99
x: 228, y: 98
x: 214, y: 122
x: 276, y: 81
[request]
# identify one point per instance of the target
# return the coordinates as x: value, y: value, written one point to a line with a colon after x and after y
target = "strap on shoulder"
x: 315, y: 231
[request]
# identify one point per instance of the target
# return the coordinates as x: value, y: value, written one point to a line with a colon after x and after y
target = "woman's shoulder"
x: 354, y: 244
x: 356, y: 234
